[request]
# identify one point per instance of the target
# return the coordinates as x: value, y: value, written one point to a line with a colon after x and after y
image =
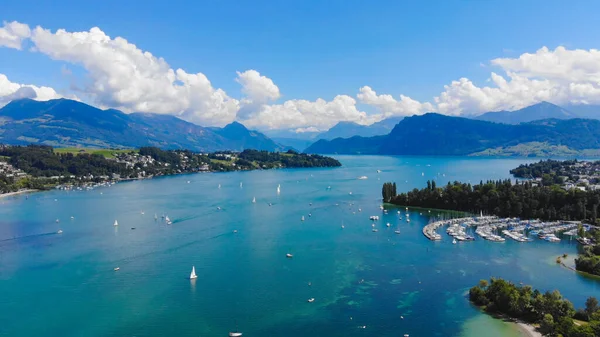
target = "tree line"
x: 505, y: 199
x: 550, y: 310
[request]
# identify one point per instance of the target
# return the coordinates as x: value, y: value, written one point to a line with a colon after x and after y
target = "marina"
x: 496, y: 229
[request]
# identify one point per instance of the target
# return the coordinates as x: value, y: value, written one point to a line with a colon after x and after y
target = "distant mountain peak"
x: 541, y: 110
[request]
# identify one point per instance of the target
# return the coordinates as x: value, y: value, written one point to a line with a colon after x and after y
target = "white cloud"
x: 121, y: 75
x: 320, y: 114
x: 304, y: 115
x: 10, y: 91
x: 389, y: 106
x: 12, y: 34
x: 126, y: 77
x: 308, y: 129
x: 257, y: 88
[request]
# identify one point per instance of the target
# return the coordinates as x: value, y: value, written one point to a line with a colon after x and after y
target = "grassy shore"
x: 107, y: 153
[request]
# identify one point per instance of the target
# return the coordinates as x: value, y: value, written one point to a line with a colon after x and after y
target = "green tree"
x: 591, y: 306
x: 547, y: 325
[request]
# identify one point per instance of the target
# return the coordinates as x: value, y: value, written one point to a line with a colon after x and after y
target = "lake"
x: 362, y: 281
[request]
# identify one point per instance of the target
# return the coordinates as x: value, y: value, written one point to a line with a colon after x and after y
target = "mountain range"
x: 435, y: 134
x: 300, y: 141
x: 65, y: 123
x: 540, y: 129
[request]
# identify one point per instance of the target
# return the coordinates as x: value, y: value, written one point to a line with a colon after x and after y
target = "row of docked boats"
x: 496, y: 229
x: 459, y: 233
x: 486, y: 232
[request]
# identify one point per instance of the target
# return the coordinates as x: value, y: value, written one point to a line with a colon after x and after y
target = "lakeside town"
x: 26, y: 168
x: 569, y: 174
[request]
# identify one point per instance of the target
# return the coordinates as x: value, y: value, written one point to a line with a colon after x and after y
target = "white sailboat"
x: 254, y: 200
x: 116, y: 223
x: 241, y: 185
x: 167, y: 220
x: 219, y: 186
x: 193, y: 274
x: 302, y: 218
x: 278, y: 188
x: 454, y: 241
x: 155, y: 216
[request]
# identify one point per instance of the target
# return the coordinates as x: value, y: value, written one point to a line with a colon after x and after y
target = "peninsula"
x: 43, y: 167
x: 554, y: 209
x: 554, y: 314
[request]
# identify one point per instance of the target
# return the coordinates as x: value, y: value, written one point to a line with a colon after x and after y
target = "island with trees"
x: 42, y: 167
x: 553, y: 314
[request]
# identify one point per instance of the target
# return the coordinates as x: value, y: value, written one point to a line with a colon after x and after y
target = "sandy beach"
x: 4, y: 195
x: 528, y: 330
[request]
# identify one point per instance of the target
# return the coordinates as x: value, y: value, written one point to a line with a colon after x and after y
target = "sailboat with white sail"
x: 278, y: 188
x: 254, y: 200
x: 193, y: 274
x: 167, y: 220
x: 116, y: 223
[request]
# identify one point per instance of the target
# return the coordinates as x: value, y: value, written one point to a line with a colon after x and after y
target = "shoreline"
x: 527, y: 329
x: 10, y: 194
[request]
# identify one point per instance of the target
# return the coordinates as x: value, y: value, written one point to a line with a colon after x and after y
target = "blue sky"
x: 313, y: 49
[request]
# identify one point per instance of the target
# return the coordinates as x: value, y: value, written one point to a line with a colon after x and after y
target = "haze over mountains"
x: 541, y: 129
x: 543, y: 110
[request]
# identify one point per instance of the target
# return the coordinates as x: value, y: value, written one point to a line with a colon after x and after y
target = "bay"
x: 362, y: 281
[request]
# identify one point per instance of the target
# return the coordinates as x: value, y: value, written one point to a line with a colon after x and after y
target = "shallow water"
x: 64, y: 284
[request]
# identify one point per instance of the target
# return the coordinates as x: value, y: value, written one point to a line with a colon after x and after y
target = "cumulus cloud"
x: 12, y: 34
x: 308, y: 129
x: 123, y: 76
x: 10, y: 91
x: 320, y: 113
x: 258, y: 90
x: 257, y: 108
x: 389, y: 106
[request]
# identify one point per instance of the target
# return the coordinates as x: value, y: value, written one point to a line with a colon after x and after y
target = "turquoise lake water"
x: 64, y: 284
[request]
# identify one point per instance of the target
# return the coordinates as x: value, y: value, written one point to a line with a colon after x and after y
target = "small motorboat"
x: 310, y: 300
x: 288, y: 255
x: 59, y: 231
x: 235, y: 231
x: 116, y: 268
x: 397, y: 231
x: 235, y: 334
